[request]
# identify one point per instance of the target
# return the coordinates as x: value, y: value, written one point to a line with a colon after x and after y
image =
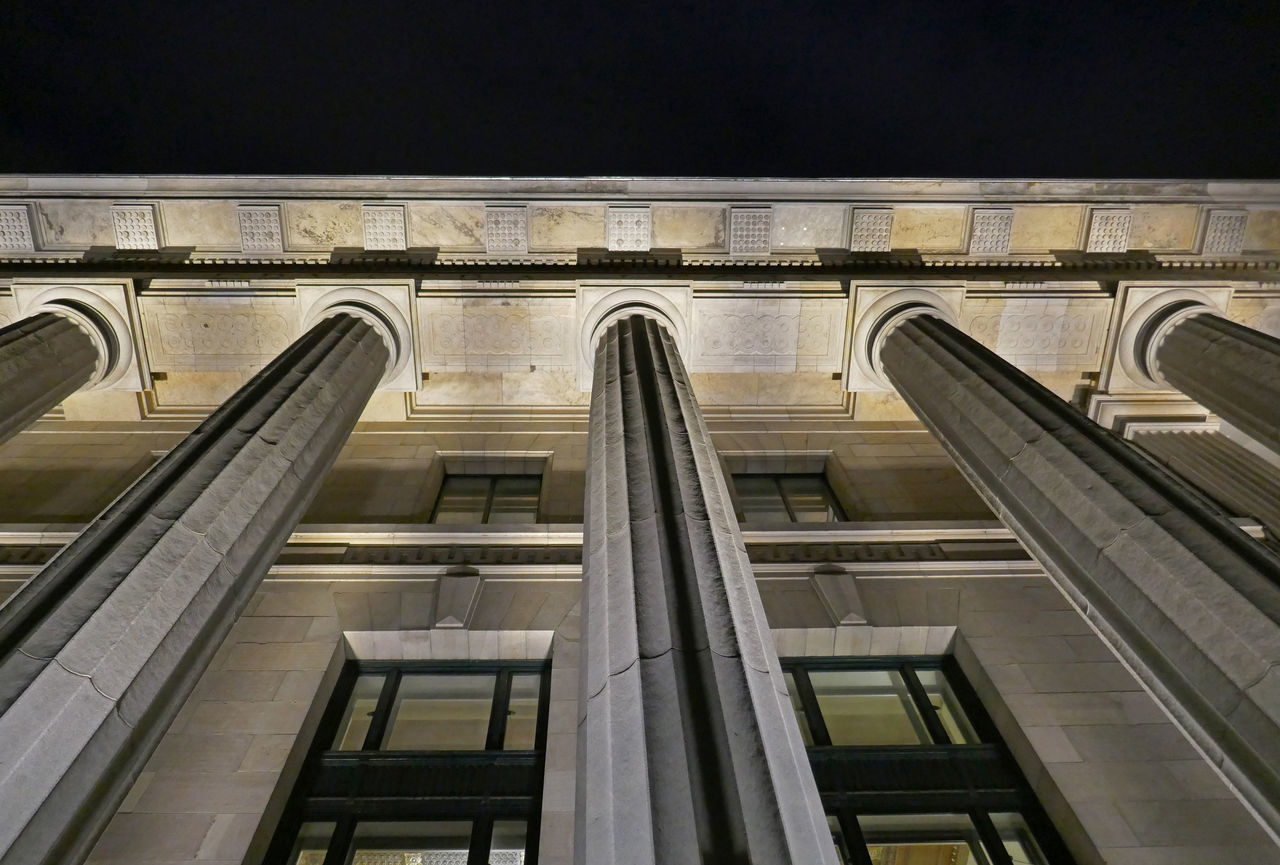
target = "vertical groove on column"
x: 1229, y: 368
x: 99, y: 649
x: 43, y: 360
x: 1187, y: 598
x: 688, y: 750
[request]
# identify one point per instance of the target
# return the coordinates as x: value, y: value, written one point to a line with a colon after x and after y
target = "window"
x: 786, y: 498
x: 432, y: 763
x: 488, y: 499
x: 910, y: 769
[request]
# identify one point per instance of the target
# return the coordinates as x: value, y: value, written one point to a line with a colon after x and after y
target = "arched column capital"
x: 879, y: 312
x: 101, y: 310
x: 1148, y: 324
x: 603, y: 306
x: 386, y: 305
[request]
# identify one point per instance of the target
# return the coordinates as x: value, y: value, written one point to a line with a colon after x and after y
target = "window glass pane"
x: 359, y: 714
x: 922, y: 838
x: 462, y: 499
x: 943, y: 699
x: 312, y: 844
x: 810, y: 498
x: 507, y: 847
x: 798, y: 708
x: 440, y: 713
x: 760, y: 500
x: 867, y: 707
x: 403, y: 843
x: 1017, y: 839
x: 522, y: 713
x: 515, y: 499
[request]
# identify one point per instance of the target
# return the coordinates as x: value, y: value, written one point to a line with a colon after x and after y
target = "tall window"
x: 911, y: 770
x: 488, y: 499
x: 429, y: 764
x: 786, y: 498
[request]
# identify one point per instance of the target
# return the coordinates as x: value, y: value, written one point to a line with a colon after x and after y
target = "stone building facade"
x: 290, y: 464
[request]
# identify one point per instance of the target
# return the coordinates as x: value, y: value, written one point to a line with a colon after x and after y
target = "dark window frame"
x: 479, y: 786
x: 493, y: 479
x: 975, y: 779
x: 833, y: 500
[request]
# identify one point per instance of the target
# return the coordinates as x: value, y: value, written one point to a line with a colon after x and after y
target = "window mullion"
x: 786, y: 500
x: 990, y: 838
x: 852, y: 832
x: 925, y: 707
x: 498, y: 711
x: 381, y: 713
x: 481, y: 840
x: 488, y: 499
x: 812, y: 711
x: 340, y: 850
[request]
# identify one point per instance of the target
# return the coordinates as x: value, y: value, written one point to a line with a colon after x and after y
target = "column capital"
x: 601, y: 306
x: 1146, y: 314
x: 386, y: 305
x: 101, y: 310
x: 879, y: 311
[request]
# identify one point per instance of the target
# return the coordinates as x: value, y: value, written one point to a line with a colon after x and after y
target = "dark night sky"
x: 1118, y: 89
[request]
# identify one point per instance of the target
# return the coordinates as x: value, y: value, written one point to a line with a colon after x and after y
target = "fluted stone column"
x: 1189, y: 600
x: 1228, y: 472
x: 688, y: 751
x: 43, y: 360
x: 1227, y: 367
x: 100, y: 649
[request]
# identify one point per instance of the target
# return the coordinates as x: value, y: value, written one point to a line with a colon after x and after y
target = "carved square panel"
x: 135, y: 226
x: 1224, y: 233
x: 750, y: 231
x: 628, y: 229
x: 506, y: 229
x: 260, y: 229
x: 872, y: 228
x: 15, y: 229
x: 991, y: 231
x: 1109, y: 231
x: 384, y: 228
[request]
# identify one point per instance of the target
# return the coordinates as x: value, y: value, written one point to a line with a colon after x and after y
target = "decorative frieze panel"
x: 15, y: 229
x: 135, y: 226
x: 1109, y: 231
x: 384, y: 228
x: 1224, y: 232
x: 767, y: 335
x: 1260, y: 312
x: 260, y: 228
x: 1040, y: 334
x: 506, y: 229
x: 872, y: 228
x: 750, y: 230
x: 214, y: 334
x: 991, y: 231
x: 629, y: 229
x: 515, y: 333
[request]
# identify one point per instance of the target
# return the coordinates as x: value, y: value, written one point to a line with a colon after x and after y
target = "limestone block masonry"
x: 103, y: 645
x: 688, y: 750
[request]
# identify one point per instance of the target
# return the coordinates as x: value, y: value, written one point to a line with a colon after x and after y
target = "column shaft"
x: 1190, y: 601
x: 99, y: 650
x: 1238, y: 478
x: 43, y: 360
x: 688, y: 751
x: 1228, y: 368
